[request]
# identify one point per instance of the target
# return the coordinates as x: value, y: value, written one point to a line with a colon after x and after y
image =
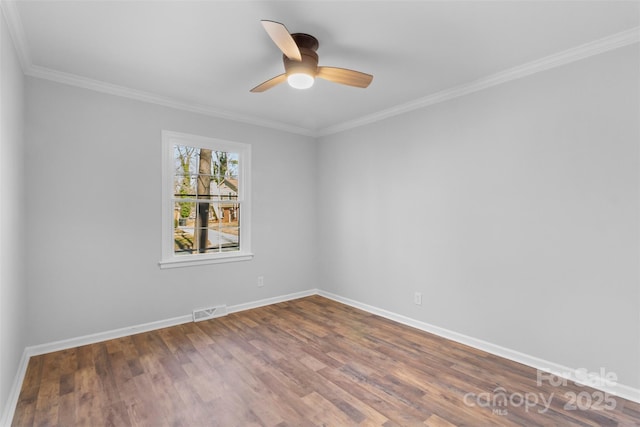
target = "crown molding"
x: 14, y: 24
x: 577, y: 53
x: 614, y: 41
x: 138, y: 95
x: 16, y: 30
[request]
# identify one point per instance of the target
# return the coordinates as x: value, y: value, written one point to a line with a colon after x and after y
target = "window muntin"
x: 205, y: 191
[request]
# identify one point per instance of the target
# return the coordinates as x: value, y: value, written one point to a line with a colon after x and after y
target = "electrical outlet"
x: 260, y: 281
x: 417, y: 298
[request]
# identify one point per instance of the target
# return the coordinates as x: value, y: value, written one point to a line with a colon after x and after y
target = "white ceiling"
x: 206, y: 55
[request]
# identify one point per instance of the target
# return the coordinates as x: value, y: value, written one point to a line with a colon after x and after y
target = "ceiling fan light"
x: 300, y: 80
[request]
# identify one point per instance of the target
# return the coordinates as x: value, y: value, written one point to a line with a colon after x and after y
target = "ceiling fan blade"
x: 345, y: 76
x: 282, y: 38
x: 270, y: 83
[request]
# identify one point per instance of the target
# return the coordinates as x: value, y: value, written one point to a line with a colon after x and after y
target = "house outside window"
x: 206, y: 204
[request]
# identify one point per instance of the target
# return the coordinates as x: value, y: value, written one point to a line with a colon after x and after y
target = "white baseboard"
x: 152, y: 326
x: 571, y: 374
x: 35, y: 350
x: 269, y: 301
x: 14, y: 392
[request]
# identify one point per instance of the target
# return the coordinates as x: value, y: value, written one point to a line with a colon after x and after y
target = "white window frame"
x: 169, y: 140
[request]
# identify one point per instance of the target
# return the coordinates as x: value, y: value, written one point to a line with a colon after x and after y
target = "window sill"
x: 217, y: 259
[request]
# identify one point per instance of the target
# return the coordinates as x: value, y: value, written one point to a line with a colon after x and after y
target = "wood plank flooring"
x: 307, y: 362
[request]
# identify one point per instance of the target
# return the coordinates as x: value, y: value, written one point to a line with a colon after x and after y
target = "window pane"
x: 185, y: 159
x: 184, y: 186
x: 225, y: 189
x: 228, y: 226
x: 230, y: 237
x: 184, y: 214
x: 205, y: 241
x: 204, y: 184
x: 225, y: 165
x: 183, y: 221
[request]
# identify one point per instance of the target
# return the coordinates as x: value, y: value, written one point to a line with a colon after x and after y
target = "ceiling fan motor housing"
x: 307, y: 45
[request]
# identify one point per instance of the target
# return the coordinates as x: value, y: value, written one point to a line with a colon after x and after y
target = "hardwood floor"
x: 308, y: 362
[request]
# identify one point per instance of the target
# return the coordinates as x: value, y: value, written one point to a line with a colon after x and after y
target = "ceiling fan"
x: 301, y: 62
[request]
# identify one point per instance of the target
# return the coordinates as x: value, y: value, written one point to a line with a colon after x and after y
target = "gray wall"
x: 514, y: 210
x: 13, y: 290
x: 93, y: 209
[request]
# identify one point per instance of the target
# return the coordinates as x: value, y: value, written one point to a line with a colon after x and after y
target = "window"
x: 206, y: 207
